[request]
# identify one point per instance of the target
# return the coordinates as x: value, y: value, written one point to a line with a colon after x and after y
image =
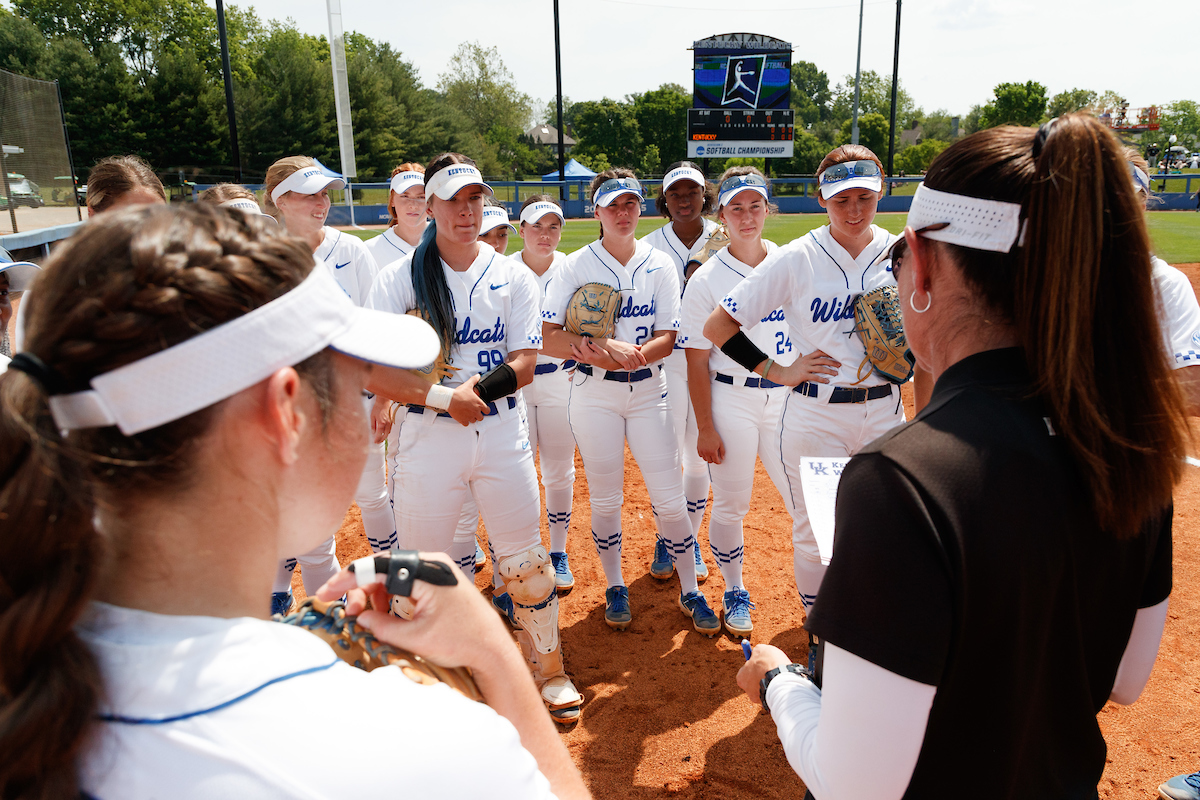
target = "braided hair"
x: 130, y: 283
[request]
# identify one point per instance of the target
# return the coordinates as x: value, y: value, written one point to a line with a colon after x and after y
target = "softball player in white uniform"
x: 830, y: 412
x: 737, y: 412
x: 406, y: 210
x: 684, y: 199
x: 485, y: 306
x: 298, y: 190
x: 619, y: 393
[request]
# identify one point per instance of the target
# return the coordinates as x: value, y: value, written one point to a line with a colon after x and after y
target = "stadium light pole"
x: 562, y: 149
x: 895, y: 79
x: 857, y: 77
x: 233, y: 137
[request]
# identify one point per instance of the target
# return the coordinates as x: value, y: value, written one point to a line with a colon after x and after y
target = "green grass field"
x: 1176, y: 234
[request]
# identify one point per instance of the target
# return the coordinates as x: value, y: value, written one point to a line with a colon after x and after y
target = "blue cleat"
x: 480, y: 558
x: 703, y: 619
x: 563, y: 579
x: 736, y: 608
x: 701, y: 567
x: 1181, y: 787
x: 504, y: 607
x: 281, y: 602
x: 663, y: 565
x: 616, y: 608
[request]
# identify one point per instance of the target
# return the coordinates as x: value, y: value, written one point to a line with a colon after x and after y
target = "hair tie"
x: 44, y: 375
x: 1043, y: 133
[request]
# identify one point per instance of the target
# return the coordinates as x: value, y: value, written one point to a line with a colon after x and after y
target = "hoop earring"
x: 927, y: 305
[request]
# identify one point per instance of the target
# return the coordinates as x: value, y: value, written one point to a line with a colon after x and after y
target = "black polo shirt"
x: 966, y: 558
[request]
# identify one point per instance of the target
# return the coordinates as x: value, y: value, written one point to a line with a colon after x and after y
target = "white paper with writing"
x: 819, y: 477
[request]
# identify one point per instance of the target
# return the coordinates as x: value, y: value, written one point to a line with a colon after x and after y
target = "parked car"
x: 24, y: 192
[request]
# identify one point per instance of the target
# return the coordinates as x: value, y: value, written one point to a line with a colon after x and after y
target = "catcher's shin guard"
x: 529, y: 579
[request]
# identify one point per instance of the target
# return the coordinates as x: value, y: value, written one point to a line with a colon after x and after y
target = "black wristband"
x: 771, y: 675
x: 743, y: 351
x: 497, y: 383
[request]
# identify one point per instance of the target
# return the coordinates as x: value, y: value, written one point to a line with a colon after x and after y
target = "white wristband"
x: 439, y: 397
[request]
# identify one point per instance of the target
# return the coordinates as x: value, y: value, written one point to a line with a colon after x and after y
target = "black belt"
x: 620, y: 377
x: 546, y: 369
x: 753, y: 383
x: 512, y: 403
x: 843, y: 395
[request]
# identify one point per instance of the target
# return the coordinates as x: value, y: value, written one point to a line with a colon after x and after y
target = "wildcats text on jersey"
x: 469, y: 334
x: 631, y: 310
x: 832, y: 310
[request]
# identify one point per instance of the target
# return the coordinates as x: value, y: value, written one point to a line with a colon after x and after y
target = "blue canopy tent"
x: 573, y: 169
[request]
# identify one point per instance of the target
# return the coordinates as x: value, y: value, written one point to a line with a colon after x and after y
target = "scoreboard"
x: 716, y: 133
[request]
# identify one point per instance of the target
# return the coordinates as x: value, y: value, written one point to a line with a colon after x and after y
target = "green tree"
x: 872, y: 132
x: 1071, y: 100
x: 875, y: 98
x: 810, y: 93
x: 807, y: 152
x: 937, y: 125
x: 661, y: 116
x: 1015, y: 104
x: 478, y: 85
x: 182, y: 113
x: 971, y: 122
x: 917, y: 158
x: 610, y: 128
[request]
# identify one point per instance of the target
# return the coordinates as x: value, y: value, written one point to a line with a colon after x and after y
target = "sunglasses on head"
x: 618, y: 184
x: 849, y: 169
x: 896, y: 252
x: 740, y: 181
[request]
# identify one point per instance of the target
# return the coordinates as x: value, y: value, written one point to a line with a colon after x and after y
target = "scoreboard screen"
x: 750, y: 134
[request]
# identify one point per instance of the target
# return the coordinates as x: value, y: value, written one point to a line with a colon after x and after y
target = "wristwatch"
x: 795, y: 669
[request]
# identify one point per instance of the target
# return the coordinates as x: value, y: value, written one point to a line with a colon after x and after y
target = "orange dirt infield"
x: 663, y: 716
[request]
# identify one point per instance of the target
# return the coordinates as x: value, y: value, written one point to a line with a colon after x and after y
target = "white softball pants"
x: 604, y: 415
x: 747, y: 419
x: 439, y: 464
x: 812, y: 426
x: 372, y: 498
x: 695, y: 469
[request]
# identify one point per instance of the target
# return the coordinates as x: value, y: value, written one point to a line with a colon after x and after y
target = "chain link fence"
x: 37, y: 184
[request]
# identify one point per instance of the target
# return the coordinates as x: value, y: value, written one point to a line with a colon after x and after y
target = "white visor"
x: 494, y: 218
x: 248, y: 206
x: 532, y: 213
x: 453, y: 179
x: 683, y: 174
x: 1141, y: 180
x: 229, y: 358
x: 403, y: 181
x: 20, y: 274
x: 973, y: 222
x: 613, y: 188
x: 309, y: 180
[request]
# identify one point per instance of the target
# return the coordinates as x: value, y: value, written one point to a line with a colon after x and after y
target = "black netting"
x: 36, y: 187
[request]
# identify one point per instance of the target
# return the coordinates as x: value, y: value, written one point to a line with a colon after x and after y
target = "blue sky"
x: 952, y: 51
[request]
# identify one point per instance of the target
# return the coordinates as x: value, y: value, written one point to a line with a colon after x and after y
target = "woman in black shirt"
x: 1004, y: 560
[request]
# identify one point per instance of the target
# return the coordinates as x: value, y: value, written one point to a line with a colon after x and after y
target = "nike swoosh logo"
x: 496, y: 286
x: 339, y: 266
x: 656, y: 269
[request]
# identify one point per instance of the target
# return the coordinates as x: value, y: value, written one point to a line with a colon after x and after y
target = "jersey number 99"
x: 489, y: 359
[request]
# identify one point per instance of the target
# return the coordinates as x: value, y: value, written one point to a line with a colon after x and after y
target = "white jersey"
x: 350, y: 262
x: 495, y: 309
x: 201, y: 707
x: 388, y: 248
x: 664, y: 239
x: 649, y: 289
x: 818, y: 282
x: 543, y: 281
x: 711, y: 282
x: 1178, y: 314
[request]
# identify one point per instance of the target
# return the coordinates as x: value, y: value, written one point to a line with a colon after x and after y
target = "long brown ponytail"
x: 1080, y: 293
x: 128, y: 284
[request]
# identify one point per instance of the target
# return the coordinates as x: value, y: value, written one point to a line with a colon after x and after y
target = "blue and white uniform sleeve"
x: 1179, y: 315
x: 559, y: 292
x: 698, y: 304
x: 392, y: 289
x: 524, y: 329
x: 666, y: 299
x: 761, y: 292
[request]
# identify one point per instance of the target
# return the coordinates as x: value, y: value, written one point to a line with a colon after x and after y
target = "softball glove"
x: 593, y: 310
x: 358, y: 647
x: 878, y: 323
x: 440, y: 368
